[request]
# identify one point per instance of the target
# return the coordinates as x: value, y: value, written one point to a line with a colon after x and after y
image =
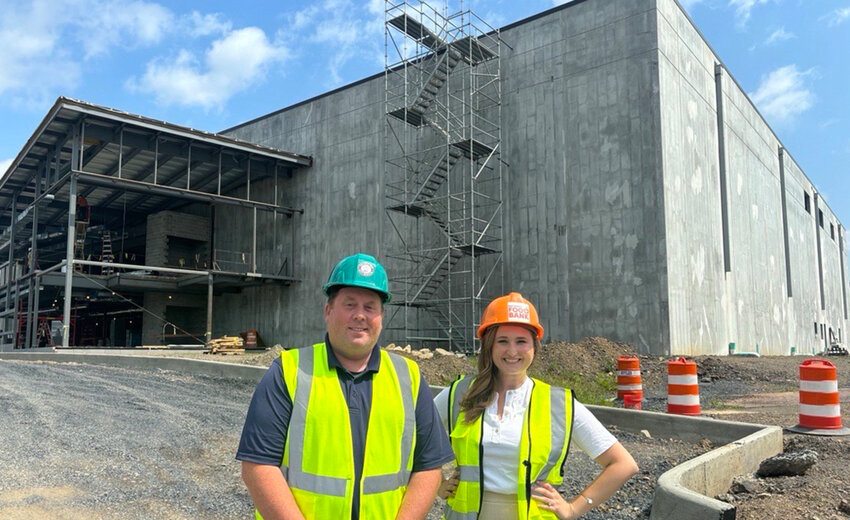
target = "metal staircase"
x: 443, y: 170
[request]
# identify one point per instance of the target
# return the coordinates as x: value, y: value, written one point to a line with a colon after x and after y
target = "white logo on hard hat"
x: 518, y: 311
x: 366, y: 268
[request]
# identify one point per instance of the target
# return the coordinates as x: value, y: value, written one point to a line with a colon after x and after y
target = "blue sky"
x: 214, y: 64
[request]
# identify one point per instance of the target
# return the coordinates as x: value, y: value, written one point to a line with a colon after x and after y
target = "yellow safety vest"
x: 318, y: 462
x: 547, y: 426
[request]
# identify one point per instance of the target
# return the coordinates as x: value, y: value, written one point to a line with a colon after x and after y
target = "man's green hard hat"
x: 360, y: 270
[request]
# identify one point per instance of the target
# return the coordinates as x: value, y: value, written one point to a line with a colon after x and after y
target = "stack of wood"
x: 227, y: 345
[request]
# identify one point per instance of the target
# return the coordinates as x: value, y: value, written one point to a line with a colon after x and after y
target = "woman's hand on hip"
x: 448, y: 487
x: 549, y: 499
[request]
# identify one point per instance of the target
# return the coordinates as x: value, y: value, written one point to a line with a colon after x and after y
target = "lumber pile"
x: 227, y: 345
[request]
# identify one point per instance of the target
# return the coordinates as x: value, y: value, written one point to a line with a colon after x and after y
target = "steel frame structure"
x: 113, y: 154
x: 443, y: 171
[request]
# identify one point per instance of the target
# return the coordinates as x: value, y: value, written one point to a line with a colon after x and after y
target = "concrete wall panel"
x: 691, y: 187
x: 612, y: 199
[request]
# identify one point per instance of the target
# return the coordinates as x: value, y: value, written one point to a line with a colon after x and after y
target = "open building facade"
x: 597, y: 157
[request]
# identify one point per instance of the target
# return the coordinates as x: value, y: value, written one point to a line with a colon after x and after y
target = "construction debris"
x: 227, y: 345
x: 423, y: 353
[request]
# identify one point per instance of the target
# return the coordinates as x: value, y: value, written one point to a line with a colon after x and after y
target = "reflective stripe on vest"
x: 392, y: 422
x: 551, y: 411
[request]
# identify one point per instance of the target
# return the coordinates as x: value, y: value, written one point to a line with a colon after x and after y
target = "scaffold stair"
x: 414, y: 114
x: 469, y: 47
x: 456, y: 332
x: 417, y: 31
x: 437, y: 275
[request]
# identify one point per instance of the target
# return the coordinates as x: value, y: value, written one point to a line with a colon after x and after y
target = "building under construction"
x: 597, y: 157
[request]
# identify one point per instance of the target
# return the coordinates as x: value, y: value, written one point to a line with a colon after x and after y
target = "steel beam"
x: 179, y: 193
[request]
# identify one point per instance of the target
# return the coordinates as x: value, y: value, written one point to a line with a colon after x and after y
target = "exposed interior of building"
x: 119, y: 212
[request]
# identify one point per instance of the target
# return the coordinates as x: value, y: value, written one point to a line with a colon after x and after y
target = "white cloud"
x: 110, y: 24
x: 744, y: 8
x: 837, y: 16
x: 779, y: 35
x: 343, y: 30
x: 40, y: 42
x: 560, y: 2
x: 783, y: 95
x: 207, y: 24
x: 232, y: 64
x: 32, y: 64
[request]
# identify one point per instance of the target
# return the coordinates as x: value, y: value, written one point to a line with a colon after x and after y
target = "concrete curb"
x: 682, y: 492
x: 685, y: 491
x: 176, y: 364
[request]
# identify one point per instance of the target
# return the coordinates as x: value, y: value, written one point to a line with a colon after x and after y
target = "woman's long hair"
x: 482, y: 391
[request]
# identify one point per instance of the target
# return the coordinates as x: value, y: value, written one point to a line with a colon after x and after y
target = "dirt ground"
x: 754, y: 390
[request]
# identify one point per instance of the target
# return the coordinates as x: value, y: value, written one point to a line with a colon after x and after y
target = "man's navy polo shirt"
x: 264, y: 434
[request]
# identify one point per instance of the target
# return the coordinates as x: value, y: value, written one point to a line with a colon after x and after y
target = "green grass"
x: 596, y: 390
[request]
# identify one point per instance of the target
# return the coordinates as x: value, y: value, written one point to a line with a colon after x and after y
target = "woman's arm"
x: 618, y: 467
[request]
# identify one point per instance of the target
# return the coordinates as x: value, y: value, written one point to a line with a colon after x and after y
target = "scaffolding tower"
x: 443, y: 171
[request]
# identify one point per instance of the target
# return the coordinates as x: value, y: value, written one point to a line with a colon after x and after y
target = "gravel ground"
x: 634, y: 500
x: 90, y: 442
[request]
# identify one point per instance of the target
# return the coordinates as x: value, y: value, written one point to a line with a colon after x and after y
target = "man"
x: 343, y: 429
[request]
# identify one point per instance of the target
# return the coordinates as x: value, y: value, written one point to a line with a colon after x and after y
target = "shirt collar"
x: 372, y: 365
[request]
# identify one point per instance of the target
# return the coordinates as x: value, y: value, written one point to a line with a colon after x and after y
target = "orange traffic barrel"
x: 628, y: 378
x: 251, y: 339
x: 820, y: 412
x: 682, y: 387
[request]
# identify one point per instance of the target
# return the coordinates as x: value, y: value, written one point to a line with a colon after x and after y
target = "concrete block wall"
x: 161, y: 226
x: 166, y: 224
x: 186, y: 311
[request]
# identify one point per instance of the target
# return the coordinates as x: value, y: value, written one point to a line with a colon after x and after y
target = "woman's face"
x: 513, y: 349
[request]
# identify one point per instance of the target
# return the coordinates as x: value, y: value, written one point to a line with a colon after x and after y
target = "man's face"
x: 354, y: 320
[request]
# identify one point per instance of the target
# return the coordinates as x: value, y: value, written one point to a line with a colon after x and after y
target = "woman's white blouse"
x: 502, y: 436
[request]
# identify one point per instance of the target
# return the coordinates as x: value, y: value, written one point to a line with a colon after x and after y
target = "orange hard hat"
x: 509, y: 310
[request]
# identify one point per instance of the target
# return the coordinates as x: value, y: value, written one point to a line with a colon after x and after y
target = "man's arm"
x: 270, y: 492
x: 420, y: 494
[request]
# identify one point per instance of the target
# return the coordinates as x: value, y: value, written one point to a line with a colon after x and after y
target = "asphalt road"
x: 91, y: 442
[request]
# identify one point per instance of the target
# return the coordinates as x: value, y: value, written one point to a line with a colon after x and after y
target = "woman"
x: 511, y: 433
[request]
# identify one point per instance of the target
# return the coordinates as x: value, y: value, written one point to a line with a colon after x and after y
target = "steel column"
x: 254, y: 245
x: 33, y: 280
x: 208, y: 335
x: 10, y: 267
x: 189, y: 168
x: 69, y: 264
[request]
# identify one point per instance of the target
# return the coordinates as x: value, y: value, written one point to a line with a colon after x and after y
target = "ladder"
x: 80, y: 228
x: 106, y: 254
